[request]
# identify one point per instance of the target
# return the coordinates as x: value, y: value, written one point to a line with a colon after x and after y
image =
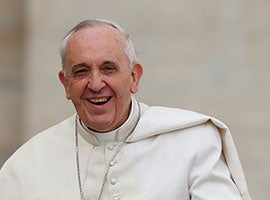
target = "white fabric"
x: 171, y: 154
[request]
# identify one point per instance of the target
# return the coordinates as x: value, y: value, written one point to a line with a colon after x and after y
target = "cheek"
x: 126, y: 86
x: 76, y: 90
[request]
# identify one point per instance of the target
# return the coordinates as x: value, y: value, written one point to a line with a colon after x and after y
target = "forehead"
x: 95, y: 45
x: 96, y: 37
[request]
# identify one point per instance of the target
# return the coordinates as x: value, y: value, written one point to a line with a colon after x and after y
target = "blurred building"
x: 208, y: 56
x: 11, y: 65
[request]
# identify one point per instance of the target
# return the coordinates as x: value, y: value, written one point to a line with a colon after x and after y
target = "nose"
x: 96, y: 82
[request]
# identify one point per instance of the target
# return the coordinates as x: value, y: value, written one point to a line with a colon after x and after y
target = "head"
x: 100, y: 72
x: 128, y: 44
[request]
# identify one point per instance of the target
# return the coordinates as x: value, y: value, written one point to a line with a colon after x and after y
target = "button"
x: 111, y: 147
x: 113, y: 181
x: 116, y: 197
x: 112, y: 163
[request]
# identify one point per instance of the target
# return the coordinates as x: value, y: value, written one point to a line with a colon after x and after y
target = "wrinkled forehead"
x: 95, y: 45
x: 92, y: 36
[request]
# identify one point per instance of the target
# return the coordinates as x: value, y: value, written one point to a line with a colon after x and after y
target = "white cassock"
x: 159, y: 153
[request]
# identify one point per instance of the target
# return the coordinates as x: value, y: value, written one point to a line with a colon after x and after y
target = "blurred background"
x: 209, y: 56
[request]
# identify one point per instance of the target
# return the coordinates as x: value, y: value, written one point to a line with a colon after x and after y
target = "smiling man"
x: 115, y: 147
x: 99, y: 78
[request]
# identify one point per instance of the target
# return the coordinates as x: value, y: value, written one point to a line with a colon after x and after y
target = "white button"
x: 116, y: 198
x: 111, y: 147
x: 113, y: 181
x: 112, y: 163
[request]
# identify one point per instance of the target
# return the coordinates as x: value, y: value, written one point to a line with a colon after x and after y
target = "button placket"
x: 112, y: 178
x: 109, y: 152
x: 114, y: 188
x: 113, y: 182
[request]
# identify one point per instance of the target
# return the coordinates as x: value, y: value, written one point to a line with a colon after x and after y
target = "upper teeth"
x: 99, y: 100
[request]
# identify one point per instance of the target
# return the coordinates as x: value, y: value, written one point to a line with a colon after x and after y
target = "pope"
x: 115, y: 147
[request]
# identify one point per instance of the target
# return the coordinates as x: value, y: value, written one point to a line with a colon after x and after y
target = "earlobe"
x: 63, y: 79
x: 137, y: 73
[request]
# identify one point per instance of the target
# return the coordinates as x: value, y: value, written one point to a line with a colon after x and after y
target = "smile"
x: 99, y: 101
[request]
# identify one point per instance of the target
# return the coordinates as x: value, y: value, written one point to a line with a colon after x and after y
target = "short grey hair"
x: 128, y: 44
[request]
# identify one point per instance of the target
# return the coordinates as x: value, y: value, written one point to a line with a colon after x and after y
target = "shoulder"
x: 41, y: 142
x: 61, y: 131
x: 157, y: 120
x: 171, y: 116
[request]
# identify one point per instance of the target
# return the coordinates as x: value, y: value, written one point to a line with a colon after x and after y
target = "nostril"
x: 96, y: 85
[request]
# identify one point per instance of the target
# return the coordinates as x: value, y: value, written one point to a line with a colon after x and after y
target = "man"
x: 115, y: 147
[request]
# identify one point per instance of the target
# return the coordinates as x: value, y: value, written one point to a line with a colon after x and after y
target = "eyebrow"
x: 86, y: 65
x: 78, y: 65
x: 109, y: 62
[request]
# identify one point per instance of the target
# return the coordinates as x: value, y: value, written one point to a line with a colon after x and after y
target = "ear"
x: 136, y: 75
x: 64, y: 81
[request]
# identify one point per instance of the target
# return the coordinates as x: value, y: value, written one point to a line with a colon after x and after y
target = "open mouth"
x: 99, y: 101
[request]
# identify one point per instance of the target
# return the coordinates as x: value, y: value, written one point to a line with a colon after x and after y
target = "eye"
x: 80, y: 71
x: 110, y: 68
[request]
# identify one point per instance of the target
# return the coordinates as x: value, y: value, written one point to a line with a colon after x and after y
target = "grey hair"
x: 128, y: 44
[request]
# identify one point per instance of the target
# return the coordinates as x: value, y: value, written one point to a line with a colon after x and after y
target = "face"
x: 99, y: 80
